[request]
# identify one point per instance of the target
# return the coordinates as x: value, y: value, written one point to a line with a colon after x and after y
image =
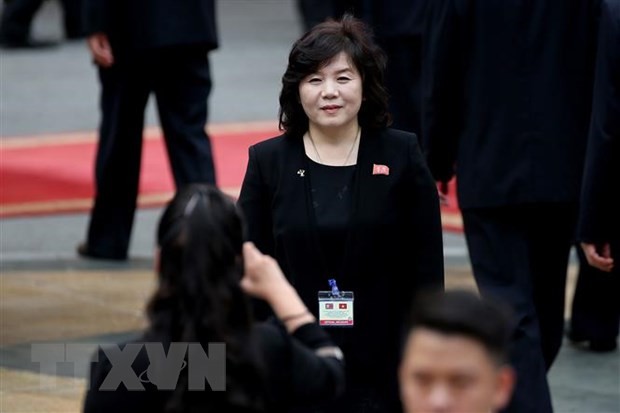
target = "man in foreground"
x: 455, y: 356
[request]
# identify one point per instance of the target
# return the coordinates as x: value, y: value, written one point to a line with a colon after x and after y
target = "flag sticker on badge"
x: 378, y: 169
x: 335, y: 311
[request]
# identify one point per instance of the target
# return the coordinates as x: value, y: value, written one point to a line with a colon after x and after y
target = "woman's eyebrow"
x: 337, y: 71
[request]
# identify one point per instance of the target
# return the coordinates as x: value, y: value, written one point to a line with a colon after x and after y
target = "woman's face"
x: 332, y: 96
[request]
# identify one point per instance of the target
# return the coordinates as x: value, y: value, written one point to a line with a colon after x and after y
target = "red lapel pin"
x: 378, y: 169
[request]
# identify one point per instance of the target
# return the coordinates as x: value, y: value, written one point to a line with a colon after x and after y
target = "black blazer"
x: 506, y: 97
x: 148, y: 24
x: 395, y: 246
x: 293, y: 374
x: 599, y: 217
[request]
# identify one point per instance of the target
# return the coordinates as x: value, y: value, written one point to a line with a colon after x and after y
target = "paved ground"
x: 48, y: 295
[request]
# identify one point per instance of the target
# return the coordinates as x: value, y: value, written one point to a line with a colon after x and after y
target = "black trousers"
x: 402, y: 78
x: 595, y: 313
x: 180, y: 80
x: 519, y: 254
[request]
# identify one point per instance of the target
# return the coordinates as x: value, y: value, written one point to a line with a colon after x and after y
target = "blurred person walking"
x: 506, y: 108
x: 399, y: 25
x: 596, y: 307
x: 143, y: 47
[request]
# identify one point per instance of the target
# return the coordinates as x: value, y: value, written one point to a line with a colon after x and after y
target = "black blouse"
x: 331, y: 190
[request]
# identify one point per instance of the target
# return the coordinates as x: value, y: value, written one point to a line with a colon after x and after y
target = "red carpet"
x: 54, y: 174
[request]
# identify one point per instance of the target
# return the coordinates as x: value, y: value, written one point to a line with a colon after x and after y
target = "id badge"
x: 336, y: 311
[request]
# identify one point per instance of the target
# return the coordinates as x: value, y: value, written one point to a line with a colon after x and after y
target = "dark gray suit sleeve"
x: 96, y: 14
x: 442, y: 77
x: 426, y: 232
x: 602, y: 171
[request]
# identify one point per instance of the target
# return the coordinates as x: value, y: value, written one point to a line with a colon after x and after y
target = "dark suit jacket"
x: 600, y: 217
x: 395, y: 247
x: 506, y: 98
x: 293, y: 374
x: 396, y: 18
x: 147, y: 24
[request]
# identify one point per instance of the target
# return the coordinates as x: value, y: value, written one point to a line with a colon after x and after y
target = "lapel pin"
x: 301, y: 172
x: 378, y: 169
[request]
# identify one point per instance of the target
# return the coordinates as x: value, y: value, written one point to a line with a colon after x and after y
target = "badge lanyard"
x: 335, y: 307
x: 314, y: 228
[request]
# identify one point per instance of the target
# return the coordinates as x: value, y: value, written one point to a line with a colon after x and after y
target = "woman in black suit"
x: 339, y: 196
x: 200, y: 299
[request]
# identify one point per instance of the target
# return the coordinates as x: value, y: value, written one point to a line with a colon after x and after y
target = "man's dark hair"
x: 463, y: 313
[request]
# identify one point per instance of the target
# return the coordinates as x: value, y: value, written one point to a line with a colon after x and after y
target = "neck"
x: 343, y: 135
x: 335, y: 150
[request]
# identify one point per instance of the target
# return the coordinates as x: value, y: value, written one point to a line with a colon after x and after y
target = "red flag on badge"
x: 378, y: 169
x: 342, y: 306
x: 329, y: 306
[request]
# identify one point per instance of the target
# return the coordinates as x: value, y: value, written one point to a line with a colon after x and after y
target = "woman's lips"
x: 331, y: 108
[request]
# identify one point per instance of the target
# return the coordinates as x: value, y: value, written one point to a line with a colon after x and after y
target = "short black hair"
x: 464, y: 313
x: 318, y: 47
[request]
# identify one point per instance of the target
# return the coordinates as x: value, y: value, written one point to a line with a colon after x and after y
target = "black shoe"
x: 85, y: 252
x: 597, y: 346
x: 603, y: 346
x: 575, y: 337
x: 27, y: 44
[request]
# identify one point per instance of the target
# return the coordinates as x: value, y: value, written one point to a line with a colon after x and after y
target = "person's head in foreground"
x: 199, y: 297
x: 334, y: 80
x: 455, y: 356
x: 206, y: 276
x: 200, y: 266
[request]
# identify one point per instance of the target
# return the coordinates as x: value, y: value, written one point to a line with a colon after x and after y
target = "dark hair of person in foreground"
x: 463, y: 313
x: 199, y: 298
x: 456, y: 355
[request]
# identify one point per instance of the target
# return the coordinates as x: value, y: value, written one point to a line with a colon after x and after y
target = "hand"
x: 263, y: 277
x: 443, y: 190
x: 101, y: 50
x: 598, y: 257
